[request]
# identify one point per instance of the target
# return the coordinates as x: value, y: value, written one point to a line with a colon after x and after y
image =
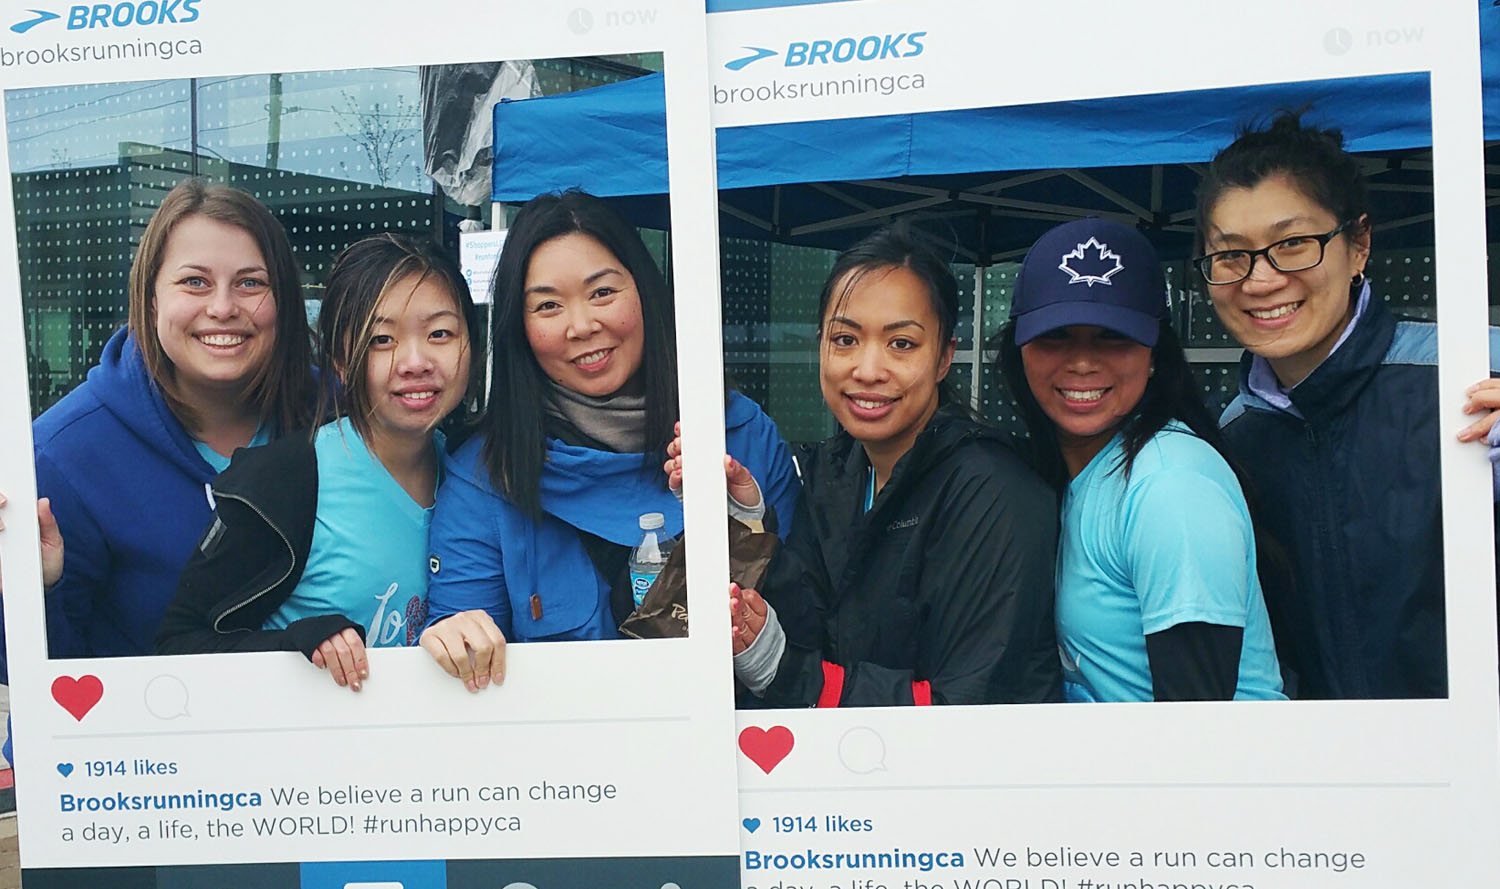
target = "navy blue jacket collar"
x: 1337, y: 382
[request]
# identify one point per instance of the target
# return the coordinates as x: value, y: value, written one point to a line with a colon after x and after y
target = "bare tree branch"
x: 380, y: 131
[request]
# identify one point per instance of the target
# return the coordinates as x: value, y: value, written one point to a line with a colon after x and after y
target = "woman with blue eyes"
x: 919, y: 565
x: 537, y: 515
x: 1158, y: 596
x: 216, y: 356
x: 319, y: 543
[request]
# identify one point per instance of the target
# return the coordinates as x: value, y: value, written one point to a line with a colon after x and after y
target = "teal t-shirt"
x: 1172, y: 544
x: 368, y: 559
x: 220, y: 462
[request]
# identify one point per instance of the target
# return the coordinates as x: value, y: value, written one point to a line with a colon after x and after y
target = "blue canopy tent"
x: 987, y: 182
x: 996, y: 177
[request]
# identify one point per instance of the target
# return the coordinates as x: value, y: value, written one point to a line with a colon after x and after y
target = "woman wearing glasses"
x: 1336, y: 420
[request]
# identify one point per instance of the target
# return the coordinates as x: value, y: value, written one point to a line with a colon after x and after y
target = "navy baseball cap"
x: 1090, y: 271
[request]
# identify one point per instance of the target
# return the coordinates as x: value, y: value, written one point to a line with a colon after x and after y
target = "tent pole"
x: 974, y: 372
x: 981, y: 261
x: 497, y: 223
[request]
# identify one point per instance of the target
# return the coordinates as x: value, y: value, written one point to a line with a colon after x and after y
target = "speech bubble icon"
x: 167, y: 697
x: 862, y: 750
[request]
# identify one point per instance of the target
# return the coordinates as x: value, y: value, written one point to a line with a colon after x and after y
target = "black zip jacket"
x: 251, y: 558
x: 942, y: 593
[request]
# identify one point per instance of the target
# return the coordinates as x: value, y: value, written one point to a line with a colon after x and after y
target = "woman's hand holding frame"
x: 469, y: 646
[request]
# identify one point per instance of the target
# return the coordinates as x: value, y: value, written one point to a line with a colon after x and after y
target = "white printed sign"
x: 478, y: 252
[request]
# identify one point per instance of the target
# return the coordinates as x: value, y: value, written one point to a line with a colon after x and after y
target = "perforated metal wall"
x: 791, y: 278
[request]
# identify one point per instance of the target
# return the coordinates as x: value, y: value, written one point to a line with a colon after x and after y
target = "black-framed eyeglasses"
x: 1295, y: 254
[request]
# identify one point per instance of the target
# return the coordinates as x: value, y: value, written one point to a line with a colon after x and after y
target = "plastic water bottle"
x: 649, y: 556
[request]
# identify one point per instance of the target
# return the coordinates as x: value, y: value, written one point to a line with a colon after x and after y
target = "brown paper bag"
x: 663, y: 614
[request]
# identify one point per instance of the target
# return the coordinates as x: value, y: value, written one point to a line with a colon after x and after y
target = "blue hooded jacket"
x: 488, y: 554
x: 130, y: 494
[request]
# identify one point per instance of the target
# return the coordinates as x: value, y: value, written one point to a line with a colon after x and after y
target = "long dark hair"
x: 896, y: 246
x: 359, y: 279
x: 515, y: 439
x: 1171, y: 394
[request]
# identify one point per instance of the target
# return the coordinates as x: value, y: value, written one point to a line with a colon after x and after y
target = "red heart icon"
x: 77, y: 696
x: 766, y: 747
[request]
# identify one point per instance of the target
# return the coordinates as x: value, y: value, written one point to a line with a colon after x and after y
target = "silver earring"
x: 1358, y: 280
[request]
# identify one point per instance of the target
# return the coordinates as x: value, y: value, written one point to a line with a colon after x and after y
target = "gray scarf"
x: 614, y: 423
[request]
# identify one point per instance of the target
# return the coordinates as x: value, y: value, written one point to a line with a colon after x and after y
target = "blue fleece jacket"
x: 129, y: 492
x: 488, y: 554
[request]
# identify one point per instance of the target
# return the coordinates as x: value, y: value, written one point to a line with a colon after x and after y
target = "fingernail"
x: 364, y: 673
x: 483, y: 681
x: 469, y: 684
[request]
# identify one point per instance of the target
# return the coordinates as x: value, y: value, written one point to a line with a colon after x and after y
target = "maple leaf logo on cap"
x: 1091, y: 270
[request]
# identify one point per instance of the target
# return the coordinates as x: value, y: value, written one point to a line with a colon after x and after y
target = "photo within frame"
x: 214, y: 261
x: 1104, y: 793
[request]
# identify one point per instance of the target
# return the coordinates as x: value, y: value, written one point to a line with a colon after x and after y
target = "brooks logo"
x: 42, y: 15
x: 756, y: 54
x: 869, y: 48
x: 119, y: 14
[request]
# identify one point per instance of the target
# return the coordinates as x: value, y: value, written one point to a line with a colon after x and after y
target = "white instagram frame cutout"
x: 568, y: 713
x: 1412, y: 784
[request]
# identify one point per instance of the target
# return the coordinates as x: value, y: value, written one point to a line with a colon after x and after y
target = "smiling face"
x: 417, y: 366
x: 1292, y: 319
x: 1087, y: 380
x: 583, y: 315
x: 215, y: 312
x: 882, y: 359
